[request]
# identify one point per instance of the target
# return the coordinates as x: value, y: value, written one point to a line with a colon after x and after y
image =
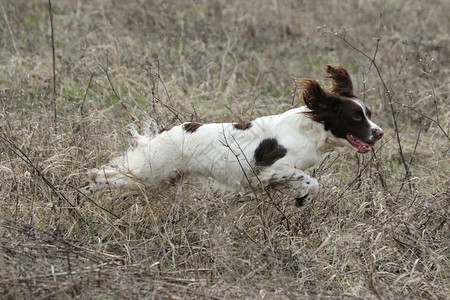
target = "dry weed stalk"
x: 379, y: 228
x: 52, y: 34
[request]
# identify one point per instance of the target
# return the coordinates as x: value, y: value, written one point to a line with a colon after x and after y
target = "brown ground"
x: 378, y: 230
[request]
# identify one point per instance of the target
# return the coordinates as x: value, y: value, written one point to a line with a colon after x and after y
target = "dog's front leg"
x: 302, y: 187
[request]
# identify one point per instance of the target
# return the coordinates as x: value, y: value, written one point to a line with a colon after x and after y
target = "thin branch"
x: 433, y: 92
x: 174, y: 111
x: 95, y: 203
x: 91, y: 77
x: 24, y: 157
x: 105, y: 70
x: 355, y: 179
x: 54, y: 64
x: 255, y: 173
x: 429, y: 119
x: 389, y: 95
x: 433, y: 95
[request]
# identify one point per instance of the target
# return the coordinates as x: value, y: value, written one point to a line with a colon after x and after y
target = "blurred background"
x: 379, y: 228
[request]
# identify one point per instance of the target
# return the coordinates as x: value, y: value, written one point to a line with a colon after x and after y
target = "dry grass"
x: 378, y: 230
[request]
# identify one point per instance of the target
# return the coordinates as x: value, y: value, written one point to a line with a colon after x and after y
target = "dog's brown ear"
x: 342, y: 83
x: 314, y: 96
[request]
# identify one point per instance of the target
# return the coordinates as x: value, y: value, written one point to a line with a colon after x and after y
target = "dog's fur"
x: 268, y: 150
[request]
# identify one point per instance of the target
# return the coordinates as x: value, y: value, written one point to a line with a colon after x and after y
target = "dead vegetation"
x: 378, y: 230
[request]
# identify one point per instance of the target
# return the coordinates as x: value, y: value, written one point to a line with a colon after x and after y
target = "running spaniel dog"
x: 269, y: 150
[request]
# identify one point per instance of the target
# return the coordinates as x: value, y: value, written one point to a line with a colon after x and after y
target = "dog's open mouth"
x: 361, y: 145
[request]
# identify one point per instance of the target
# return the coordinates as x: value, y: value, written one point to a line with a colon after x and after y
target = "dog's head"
x: 340, y: 110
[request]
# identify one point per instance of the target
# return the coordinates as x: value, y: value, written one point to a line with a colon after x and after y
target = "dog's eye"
x: 357, y: 117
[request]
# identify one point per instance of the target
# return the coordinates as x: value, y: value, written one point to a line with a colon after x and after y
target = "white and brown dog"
x: 269, y: 150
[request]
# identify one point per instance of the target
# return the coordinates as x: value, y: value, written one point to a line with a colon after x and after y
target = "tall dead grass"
x: 378, y: 230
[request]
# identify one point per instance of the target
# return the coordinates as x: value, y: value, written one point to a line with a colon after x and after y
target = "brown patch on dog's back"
x: 167, y: 128
x: 268, y: 152
x: 191, y: 127
x: 242, y: 125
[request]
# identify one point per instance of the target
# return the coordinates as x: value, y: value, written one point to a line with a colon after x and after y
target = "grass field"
x: 379, y: 228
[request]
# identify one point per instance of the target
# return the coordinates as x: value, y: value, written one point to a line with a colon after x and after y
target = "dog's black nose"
x: 377, y: 133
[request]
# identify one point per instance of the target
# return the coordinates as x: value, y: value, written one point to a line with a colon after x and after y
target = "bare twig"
x: 54, y: 64
x: 105, y: 70
x: 95, y: 203
x: 378, y: 171
x: 433, y: 94
x: 24, y: 157
x: 429, y: 72
x: 361, y: 169
x: 255, y: 173
x: 155, y: 96
x: 390, y: 96
x: 91, y: 77
x: 429, y: 119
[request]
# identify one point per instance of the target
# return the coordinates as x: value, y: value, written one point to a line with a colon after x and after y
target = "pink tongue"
x: 360, y: 144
